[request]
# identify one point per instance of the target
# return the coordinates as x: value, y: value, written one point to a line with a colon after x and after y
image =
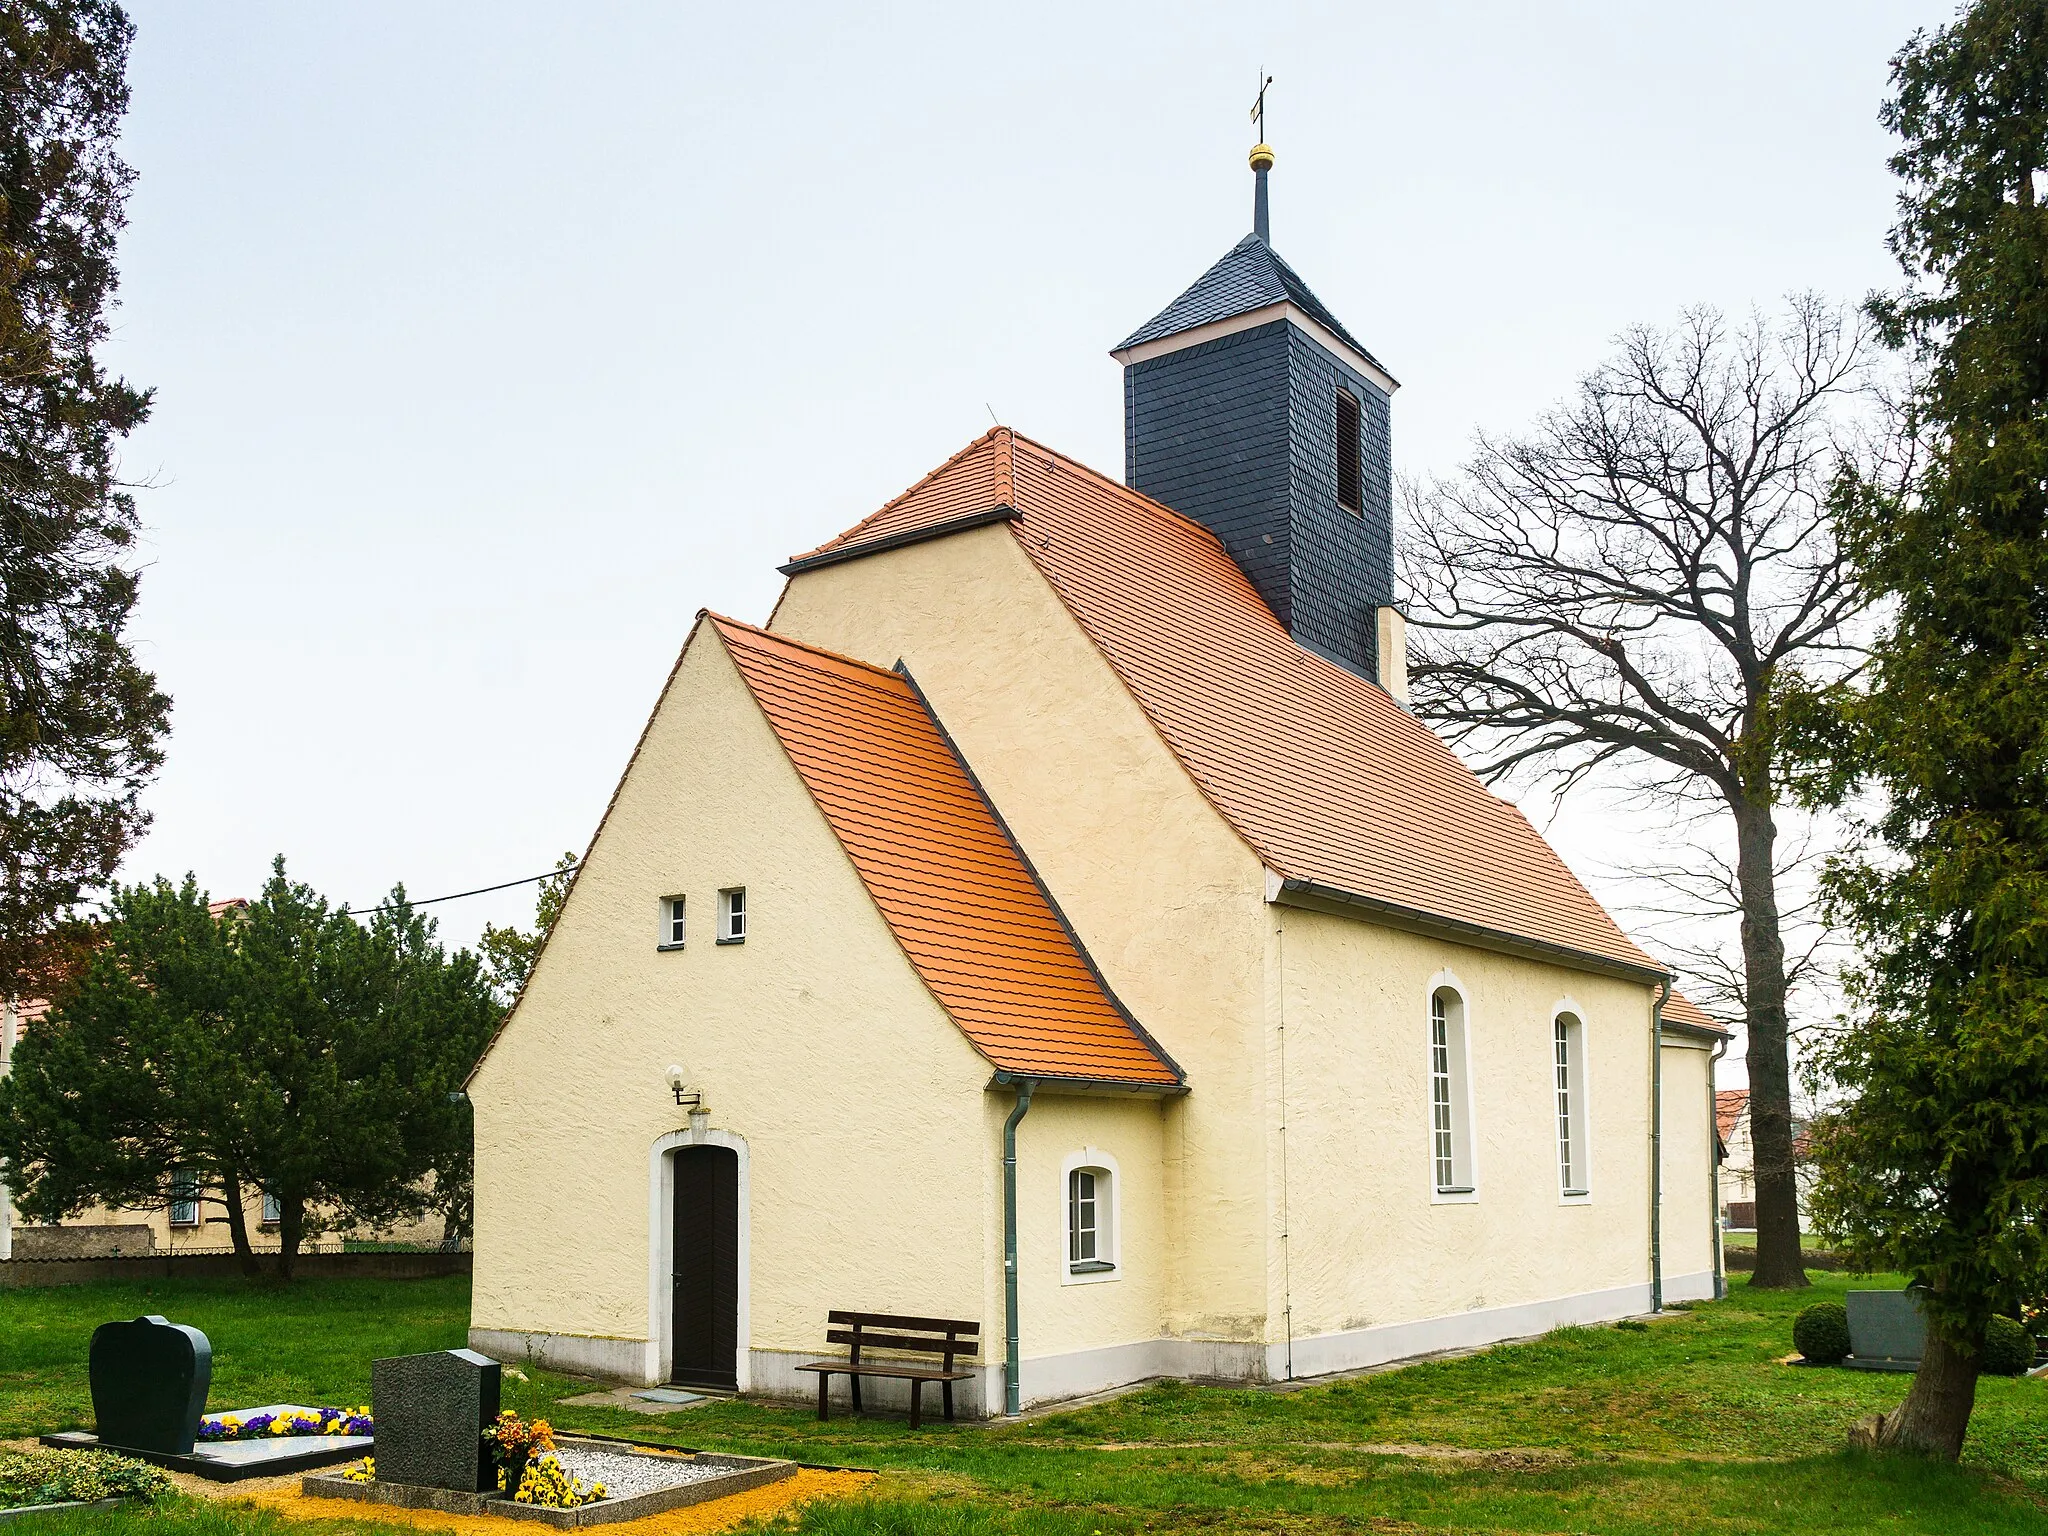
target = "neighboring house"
x: 1060, y: 876
x: 1738, y: 1165
x: 194, y: 1220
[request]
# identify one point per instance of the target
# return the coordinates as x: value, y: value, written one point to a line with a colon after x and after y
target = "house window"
x: 1450, y: 1136
x: 732, y: 916
x: 1569, y: 1049
x: 273, y: 1209
x: 184, y: 1198
x: 1350, y: 468
x: 1090, y: 1209
x: 672, y: 909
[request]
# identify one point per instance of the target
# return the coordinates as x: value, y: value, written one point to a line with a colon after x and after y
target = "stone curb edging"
x: 746, y: 1472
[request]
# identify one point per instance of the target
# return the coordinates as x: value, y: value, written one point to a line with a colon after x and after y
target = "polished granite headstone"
x: 1886, y: 1331
x: 149, y: 1381
x: 431, y: 1412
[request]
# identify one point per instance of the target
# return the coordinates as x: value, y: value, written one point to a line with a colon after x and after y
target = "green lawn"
x: 1688, y: 1426
x: 310, y: 1342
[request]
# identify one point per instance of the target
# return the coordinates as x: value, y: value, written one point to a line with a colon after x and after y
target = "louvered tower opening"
x: 1350, y: 468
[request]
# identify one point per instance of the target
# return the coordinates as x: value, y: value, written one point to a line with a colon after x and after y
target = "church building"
x: 1055, y: 919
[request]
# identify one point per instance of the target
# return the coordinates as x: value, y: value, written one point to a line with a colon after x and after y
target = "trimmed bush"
x: 2008, y: 1349
x: 1821, y: 1333
x: 42, y: 1475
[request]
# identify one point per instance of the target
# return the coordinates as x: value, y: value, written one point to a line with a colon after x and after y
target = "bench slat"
x: 869, y: 1341
x: 900, y: 1373
x: 917, y: 1324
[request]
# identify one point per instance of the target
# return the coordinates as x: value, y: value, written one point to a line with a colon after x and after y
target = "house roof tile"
x: 955, y: 891
x: 1327, y: 779
x: 1729, y: 1105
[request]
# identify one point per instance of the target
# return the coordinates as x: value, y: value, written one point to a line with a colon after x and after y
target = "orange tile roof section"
x: 1327, y: 779
x: 972, y: 918
x: 1683, y: 1011
x: 1728, y: 1107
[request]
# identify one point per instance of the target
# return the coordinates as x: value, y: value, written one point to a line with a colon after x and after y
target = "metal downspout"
x: 1012, y: 1388
x: 1714, y: 1171
x: 1657, y: 1147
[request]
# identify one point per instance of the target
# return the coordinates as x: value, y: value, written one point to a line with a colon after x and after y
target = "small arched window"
x: 1568, y: 1047
x: 1450, y: 1133
x: 1091, y: 1221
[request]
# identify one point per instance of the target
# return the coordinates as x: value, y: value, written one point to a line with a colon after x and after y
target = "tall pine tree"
x: 1936, y: 1164
x: 81, y: 724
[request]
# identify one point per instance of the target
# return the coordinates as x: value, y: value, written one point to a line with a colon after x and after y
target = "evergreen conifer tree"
x: 1936, y: 1162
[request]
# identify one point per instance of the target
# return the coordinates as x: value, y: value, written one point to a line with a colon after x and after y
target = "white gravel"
x: 625, y: 1474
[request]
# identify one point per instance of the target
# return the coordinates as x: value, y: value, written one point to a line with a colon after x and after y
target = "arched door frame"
x: 661, y: 1204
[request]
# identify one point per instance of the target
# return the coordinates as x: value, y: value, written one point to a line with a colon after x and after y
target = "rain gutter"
x: 1316, y: 897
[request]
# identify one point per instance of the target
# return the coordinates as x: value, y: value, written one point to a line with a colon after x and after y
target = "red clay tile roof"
x: 1680, y: 1009
x: 1729, y: 1104
x: 974, y: 921
x: 1326, y: 778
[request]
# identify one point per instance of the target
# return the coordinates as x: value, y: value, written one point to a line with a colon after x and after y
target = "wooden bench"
x: 904, y: 1335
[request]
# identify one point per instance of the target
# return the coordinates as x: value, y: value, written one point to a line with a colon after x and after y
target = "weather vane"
x: 1259, y: 105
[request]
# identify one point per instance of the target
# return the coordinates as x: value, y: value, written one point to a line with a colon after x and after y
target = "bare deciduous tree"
x: 1647, y: 584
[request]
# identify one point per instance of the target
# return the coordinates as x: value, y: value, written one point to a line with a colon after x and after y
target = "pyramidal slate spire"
x: 1250, y: 408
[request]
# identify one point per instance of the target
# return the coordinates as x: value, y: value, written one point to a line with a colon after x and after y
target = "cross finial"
x: 1259, y: 105
x: 1262, y: 161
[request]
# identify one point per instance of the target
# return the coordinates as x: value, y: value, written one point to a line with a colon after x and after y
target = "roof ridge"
x: 851, y: 536
x: 1131, y: 494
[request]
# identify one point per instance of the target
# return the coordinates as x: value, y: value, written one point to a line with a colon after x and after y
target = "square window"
x: 732, y: 915
x: 672, y: 925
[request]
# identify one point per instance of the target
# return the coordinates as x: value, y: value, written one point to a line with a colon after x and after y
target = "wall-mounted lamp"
x: 686, y: 1098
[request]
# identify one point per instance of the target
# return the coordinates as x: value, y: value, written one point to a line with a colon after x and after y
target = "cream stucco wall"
x: 1371, y: 1243
x: 861, y: 1108
x: 1169, y: 901
x: 1691, y: 1224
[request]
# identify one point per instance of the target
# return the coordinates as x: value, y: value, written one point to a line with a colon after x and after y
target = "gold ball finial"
x: 1262, y: 157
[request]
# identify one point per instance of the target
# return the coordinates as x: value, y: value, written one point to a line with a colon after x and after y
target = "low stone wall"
x: 1744, y: 1259
x: 124, y: 1240
x: 19, y: 1271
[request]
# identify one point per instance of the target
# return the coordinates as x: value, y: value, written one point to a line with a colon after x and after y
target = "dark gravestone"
x: 149, y: 1381
x: 431, y: 1412
x: 1886, y: 1329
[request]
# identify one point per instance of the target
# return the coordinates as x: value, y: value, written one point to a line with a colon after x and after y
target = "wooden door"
x: 706, y: 1250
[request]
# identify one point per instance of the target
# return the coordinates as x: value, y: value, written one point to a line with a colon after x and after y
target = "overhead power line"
x: 482, y: 890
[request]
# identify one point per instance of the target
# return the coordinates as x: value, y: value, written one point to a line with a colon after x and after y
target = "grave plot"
x: 149, y: 1380
x: 443, y: 1444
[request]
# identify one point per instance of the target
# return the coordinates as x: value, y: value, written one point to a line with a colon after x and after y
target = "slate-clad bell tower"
x: 1249, y: 407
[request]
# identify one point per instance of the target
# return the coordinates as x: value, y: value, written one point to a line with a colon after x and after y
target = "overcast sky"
x: 491, y: 342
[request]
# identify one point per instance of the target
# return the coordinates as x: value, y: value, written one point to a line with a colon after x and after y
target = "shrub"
x: 2008, y: 1349
x: 1822, y: 1333
x: 1633, y: 1325
x: 48, y: 1476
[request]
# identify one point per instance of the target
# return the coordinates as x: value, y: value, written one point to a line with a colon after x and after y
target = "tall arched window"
x: 1090, y: 1179
x: 1568, y: 1049
x: 1450, y: 1136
